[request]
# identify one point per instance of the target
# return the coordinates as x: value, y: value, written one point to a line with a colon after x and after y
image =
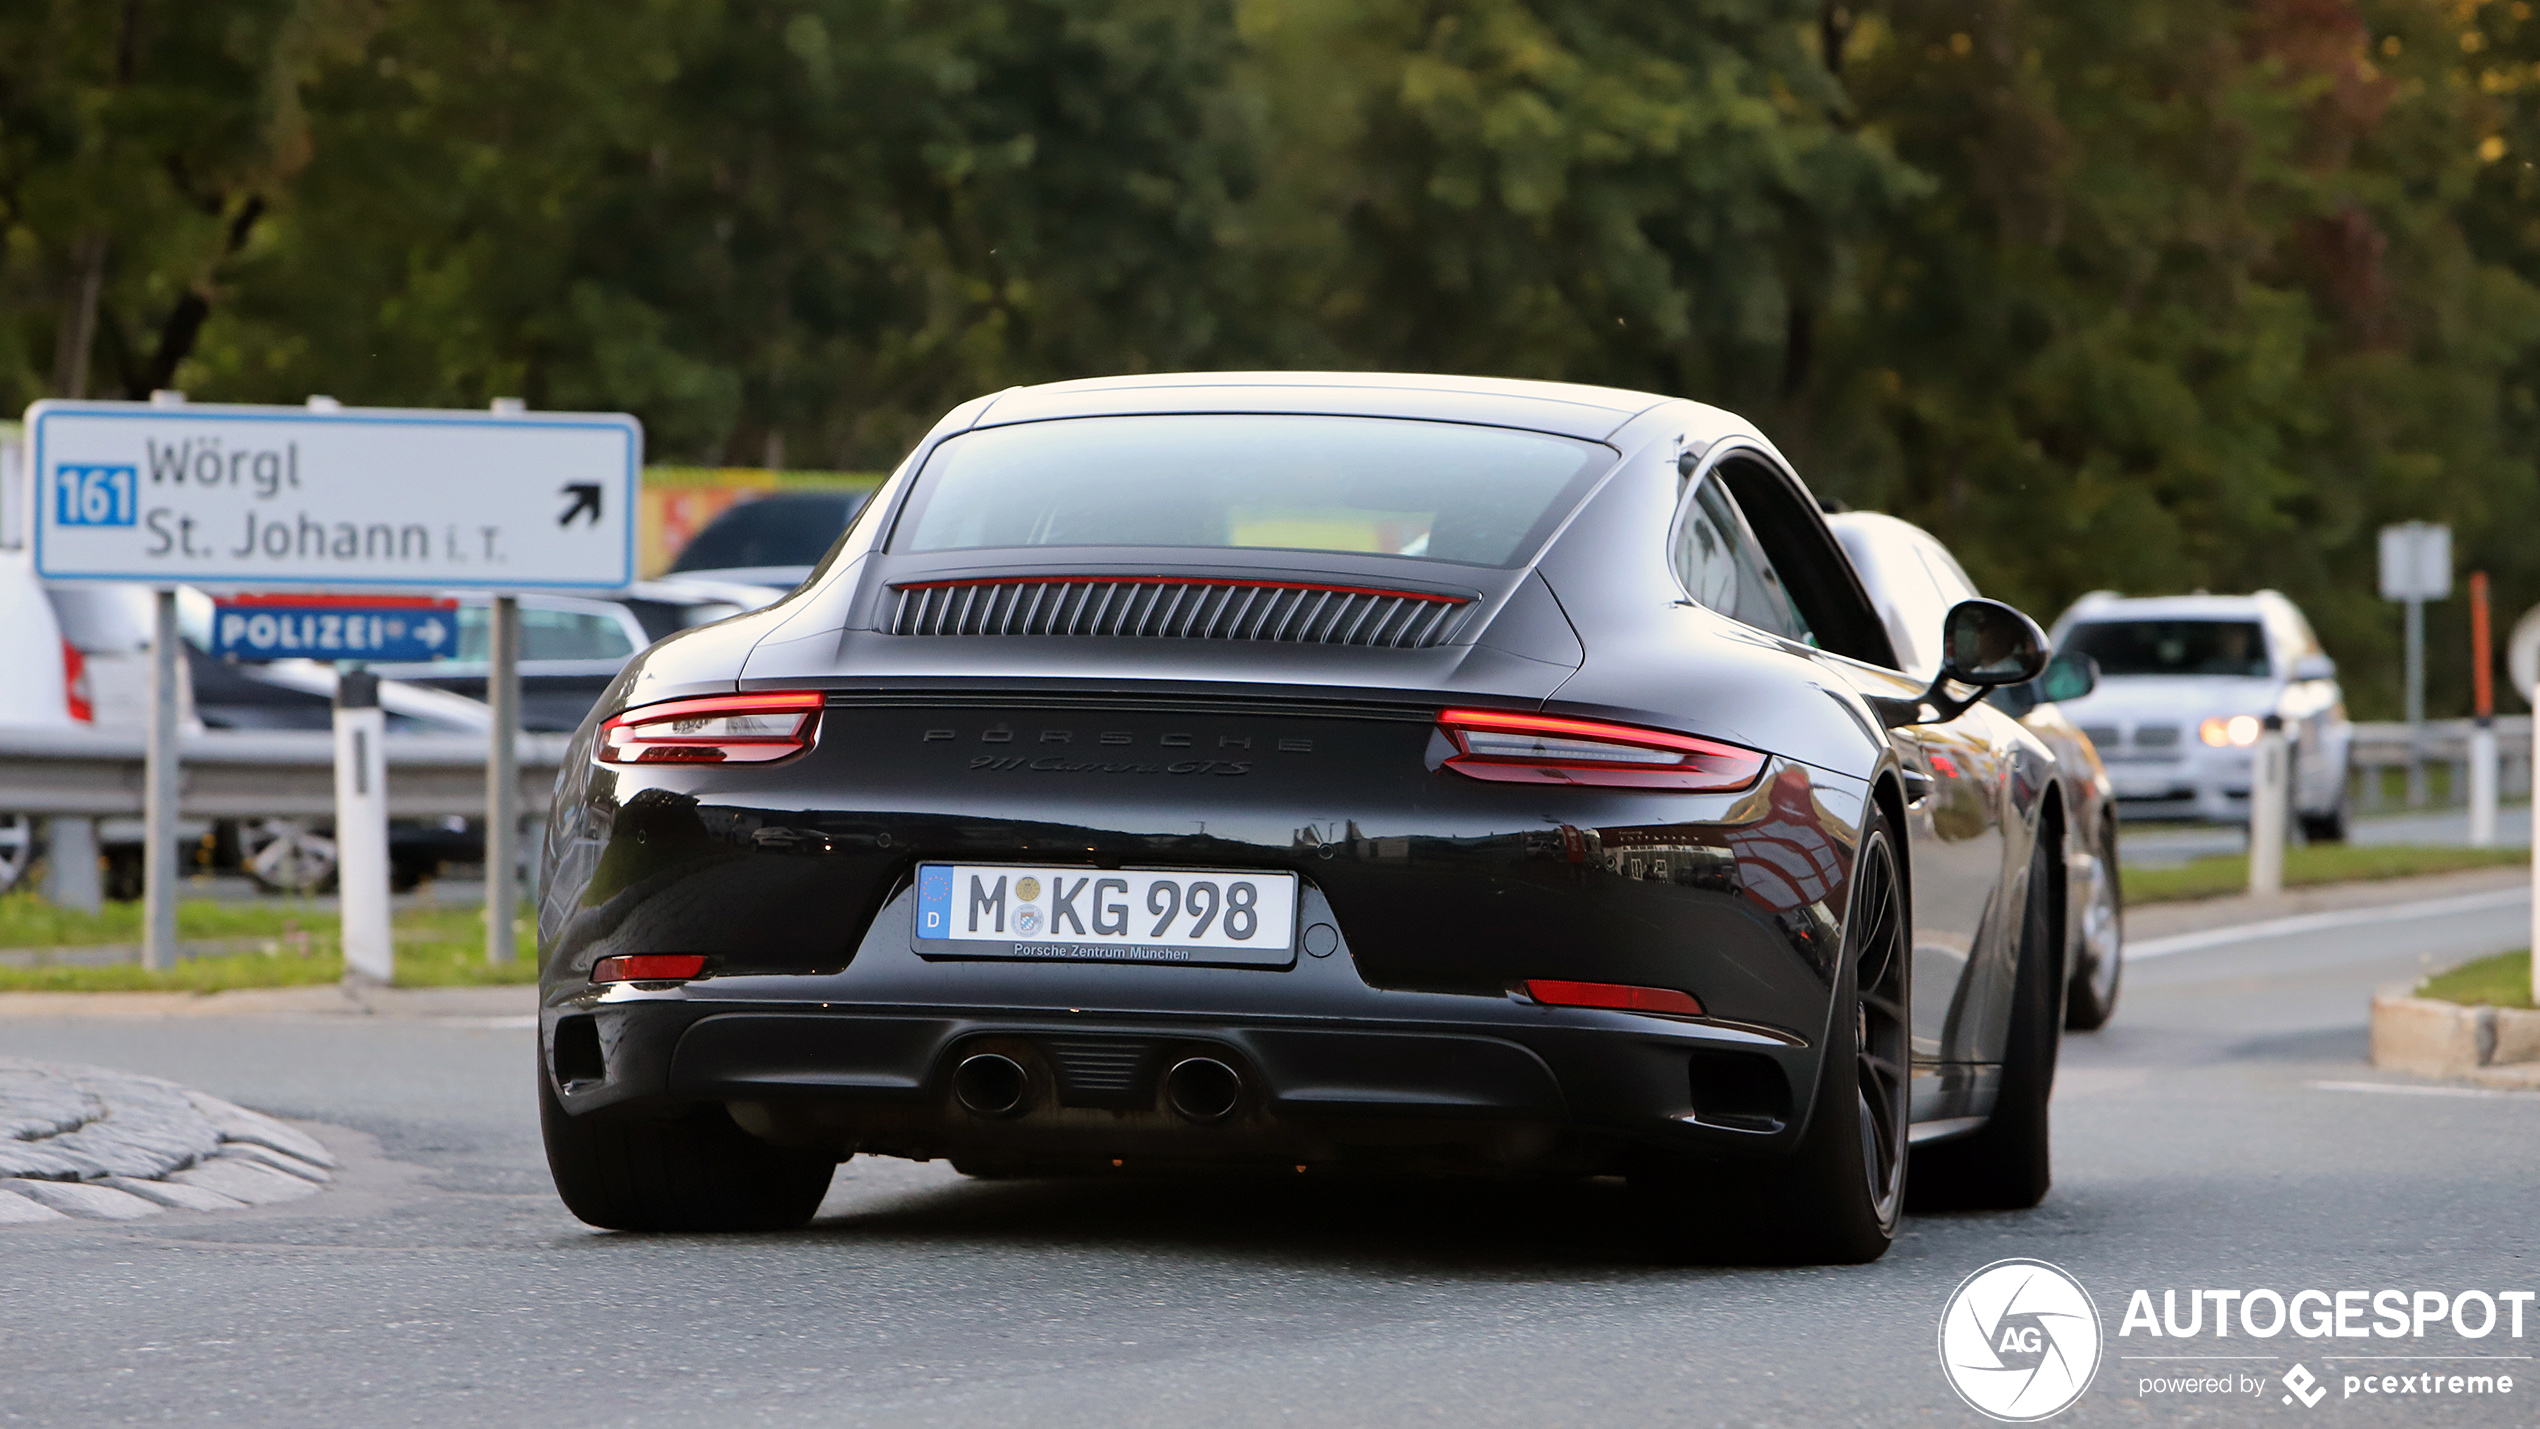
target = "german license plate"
x: 1130, y: 915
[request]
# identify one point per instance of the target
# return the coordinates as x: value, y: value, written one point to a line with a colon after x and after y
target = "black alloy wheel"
x: 1837, y: 1198
x: 1882, y: 1046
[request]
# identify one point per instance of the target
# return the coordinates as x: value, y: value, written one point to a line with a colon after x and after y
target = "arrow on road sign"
x: 431, y: 633
x: 586, y: 497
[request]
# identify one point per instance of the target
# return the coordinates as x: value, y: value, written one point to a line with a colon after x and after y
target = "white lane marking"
x: 2325, y: 922
x: 2409, y: 1090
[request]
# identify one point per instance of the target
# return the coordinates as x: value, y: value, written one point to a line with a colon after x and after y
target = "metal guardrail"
x: 229, y: 774
x: 2382, y: 746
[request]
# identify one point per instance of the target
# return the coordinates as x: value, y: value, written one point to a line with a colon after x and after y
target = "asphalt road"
x: 441, y: 1283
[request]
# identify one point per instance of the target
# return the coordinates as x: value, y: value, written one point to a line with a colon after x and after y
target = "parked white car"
x: 45, y: 687
x: 2186, y: 685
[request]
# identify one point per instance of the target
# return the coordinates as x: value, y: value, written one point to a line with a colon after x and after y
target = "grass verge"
x: 302, y: 944
x: 2501, y: 981
x: 2307, y: 865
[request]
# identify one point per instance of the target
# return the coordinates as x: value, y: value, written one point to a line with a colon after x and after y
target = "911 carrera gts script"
x: 1060, y: 764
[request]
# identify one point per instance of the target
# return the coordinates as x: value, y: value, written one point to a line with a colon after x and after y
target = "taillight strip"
x: 651, y: 734
x: 1701, y: 766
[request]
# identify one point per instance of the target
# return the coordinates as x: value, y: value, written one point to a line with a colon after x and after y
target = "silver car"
x: 1913, y: 580
x: 2187, y: 683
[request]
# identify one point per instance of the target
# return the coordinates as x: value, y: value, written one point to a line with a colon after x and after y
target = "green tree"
x: 1645, y: 195
x: 2191, y: 305
x: 776, y: 229
x: 141, y: 146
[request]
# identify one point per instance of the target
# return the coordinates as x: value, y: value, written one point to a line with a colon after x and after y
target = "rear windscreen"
x: 1439, y: 491
x: 2172, y: 647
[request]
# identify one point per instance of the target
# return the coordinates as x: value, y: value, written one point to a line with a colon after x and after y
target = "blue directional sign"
x: 379, y: 628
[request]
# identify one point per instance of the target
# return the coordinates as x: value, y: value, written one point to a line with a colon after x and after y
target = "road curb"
x: 2427, y: 1037
x: 90, y: 1143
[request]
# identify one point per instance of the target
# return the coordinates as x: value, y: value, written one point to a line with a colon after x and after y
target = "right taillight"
x: 1622, y: 997
x: 718, y: 729
x: 80, y: 694
x: 1512, y: 748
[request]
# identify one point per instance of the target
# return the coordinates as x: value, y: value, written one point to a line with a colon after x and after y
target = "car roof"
x: 1879, y: 526
x: 2171, y: 607
x: 1564, y: 408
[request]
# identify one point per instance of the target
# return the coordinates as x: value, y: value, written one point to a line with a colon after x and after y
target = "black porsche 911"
x: 1315, y: 772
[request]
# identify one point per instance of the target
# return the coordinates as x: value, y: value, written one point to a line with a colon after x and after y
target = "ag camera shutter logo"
x: 2019, y: 1341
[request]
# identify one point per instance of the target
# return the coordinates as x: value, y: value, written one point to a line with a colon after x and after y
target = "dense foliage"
x: 2145, y: 294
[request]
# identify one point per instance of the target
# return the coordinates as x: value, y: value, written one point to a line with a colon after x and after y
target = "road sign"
x: 344, y: 499
x: 316, y: 627
x: 2416, y: 561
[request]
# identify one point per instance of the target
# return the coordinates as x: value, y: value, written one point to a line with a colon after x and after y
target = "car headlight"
x: 2239, y: 730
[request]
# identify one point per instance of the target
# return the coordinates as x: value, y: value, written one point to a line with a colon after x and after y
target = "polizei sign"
x: 350, y: 498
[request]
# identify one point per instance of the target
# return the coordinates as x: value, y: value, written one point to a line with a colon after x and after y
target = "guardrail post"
x: 502, y: 779
x: 70, y: 864
x: 2267, y: 809
x: 361, y: 829
x: 2482, y: 785
x: 159, y: 784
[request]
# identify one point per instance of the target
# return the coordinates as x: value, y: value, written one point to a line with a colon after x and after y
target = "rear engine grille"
x: 1097, y: 1068
x: 1171, y: 608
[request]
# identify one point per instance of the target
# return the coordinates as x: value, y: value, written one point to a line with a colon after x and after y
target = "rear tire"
x: 1837, y: 1198
x: 694, y: 1172
x: 2006, y: 1166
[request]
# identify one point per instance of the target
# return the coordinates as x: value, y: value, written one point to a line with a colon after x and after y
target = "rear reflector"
x: 719, y: 729
x: 649, y: 967
x: 1619, y: 996
x: 1514, y: 748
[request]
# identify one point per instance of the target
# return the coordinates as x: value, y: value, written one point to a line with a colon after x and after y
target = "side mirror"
x: 2315, y: 667
x: 1986, y: 643
x: 2069, y: 676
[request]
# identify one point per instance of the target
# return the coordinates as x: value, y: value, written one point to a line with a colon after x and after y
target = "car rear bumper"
x: 1332, y: 1071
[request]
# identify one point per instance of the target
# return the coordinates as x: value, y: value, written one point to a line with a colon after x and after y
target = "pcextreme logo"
x: 2019, y: 1340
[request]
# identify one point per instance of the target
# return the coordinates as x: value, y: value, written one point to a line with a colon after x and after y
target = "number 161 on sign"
x: 96, y: 495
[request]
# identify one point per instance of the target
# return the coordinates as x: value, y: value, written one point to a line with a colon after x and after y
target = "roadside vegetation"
x: 2501, y: 981
x: 2307, y: 865
x: 2135, y: 294
x: 276, y: 944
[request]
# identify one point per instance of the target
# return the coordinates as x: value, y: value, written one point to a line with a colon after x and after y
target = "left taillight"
x: 649, y: 967
x: 1513, y: 748
x: 717, y: 729
x: 79, y: 694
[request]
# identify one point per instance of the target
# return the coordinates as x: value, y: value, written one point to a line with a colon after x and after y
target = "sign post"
x: 324, y: 499
x: 159, y: 776
x: 2416, y: 566
x: 2482, y: 739
x: 502, y: 780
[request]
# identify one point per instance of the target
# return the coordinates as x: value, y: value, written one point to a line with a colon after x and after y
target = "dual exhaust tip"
x: 1203, y: 1090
